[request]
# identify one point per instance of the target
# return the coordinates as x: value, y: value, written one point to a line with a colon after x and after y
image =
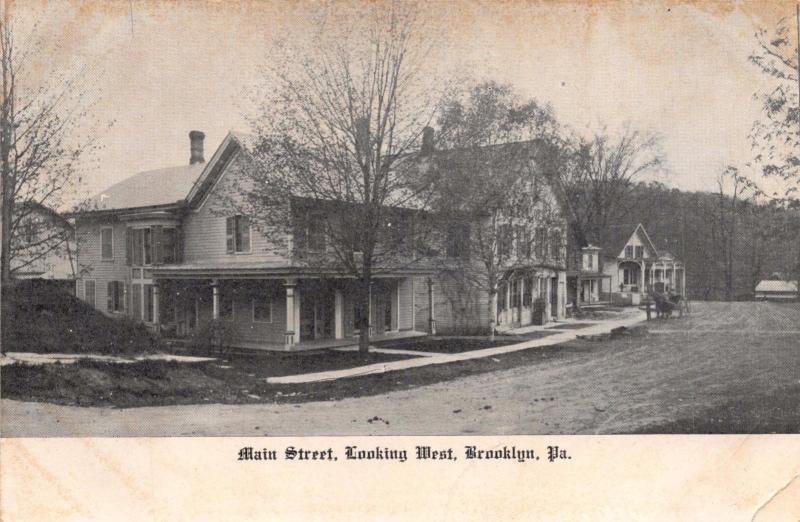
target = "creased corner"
x: 783, y: 504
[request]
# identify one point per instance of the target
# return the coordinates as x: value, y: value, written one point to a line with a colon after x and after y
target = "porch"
x: 308, y: 313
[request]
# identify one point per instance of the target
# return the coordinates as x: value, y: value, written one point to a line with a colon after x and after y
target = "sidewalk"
x: 597, y: 328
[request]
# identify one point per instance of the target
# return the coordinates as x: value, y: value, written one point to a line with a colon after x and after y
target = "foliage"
x: 212, y: 336
x: 39, y: 317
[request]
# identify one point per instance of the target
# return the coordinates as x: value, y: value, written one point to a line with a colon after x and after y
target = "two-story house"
x: 163, y: 247
x: 585, y: 265
x: 636, y: 267
x: 43, y: 246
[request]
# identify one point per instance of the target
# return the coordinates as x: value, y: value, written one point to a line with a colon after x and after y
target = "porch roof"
x: 270, y: 270
x: 588, y: 275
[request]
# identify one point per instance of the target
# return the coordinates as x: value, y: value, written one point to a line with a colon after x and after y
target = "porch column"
x: 683, y: 281
x: 431, y: 311
x: 338, y: 314
x: 641, y: 278
x: 291, y: 326
x: 156, y: 306
x: 215, y: 300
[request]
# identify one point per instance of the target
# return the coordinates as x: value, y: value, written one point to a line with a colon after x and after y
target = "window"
x: 527, y: 297
x: 168, y: 245
x: 515, y: 295
x: 505, y: 241
x: 151, y: 245
x: 149, y: 316
x: 309, y: 232
x: 88, y: 292
x: 629, y: 251
x: 501, y: 297
x: 541, y: 240
x: 136, y: 301
x: 142, y: 246
x: 639, y: 251
x: 262, y: 309
x: 226, y: 305
x: 458, y: 236
x: 115, y: 296
x: 524, y: 250
x: 555, y: 244
x: 107, y: 243
x: 237, y: 234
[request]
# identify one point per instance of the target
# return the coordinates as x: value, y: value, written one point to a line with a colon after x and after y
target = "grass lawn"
x: 448, y: 344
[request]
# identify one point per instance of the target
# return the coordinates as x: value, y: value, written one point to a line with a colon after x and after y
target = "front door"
x: 316, y: 312
x: 382, y: 312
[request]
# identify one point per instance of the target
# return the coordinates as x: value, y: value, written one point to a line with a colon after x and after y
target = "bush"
x: 38, y: 317
x: 214, y: 336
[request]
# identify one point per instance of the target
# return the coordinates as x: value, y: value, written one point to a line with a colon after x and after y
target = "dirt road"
x: 680, y: 369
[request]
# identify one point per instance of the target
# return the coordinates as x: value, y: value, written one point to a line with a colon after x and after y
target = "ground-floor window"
x: 89, y: 292
x: 149, y: 299
x: 115, y: 296
x: 262, y: 309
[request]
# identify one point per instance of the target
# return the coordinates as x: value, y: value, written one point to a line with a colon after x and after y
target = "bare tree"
x: 776, y: 135
x: 492, y: 183
x: 333, y: 134
x: 39, y: 151
x: 597, y: 175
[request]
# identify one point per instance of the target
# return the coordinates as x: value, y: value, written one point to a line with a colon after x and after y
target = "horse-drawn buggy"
x: 666, y: 304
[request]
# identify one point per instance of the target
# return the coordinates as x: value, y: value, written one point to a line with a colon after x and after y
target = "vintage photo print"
x: 401, y: 238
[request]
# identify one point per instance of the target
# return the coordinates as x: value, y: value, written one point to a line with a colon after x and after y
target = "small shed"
x: 774, y: 290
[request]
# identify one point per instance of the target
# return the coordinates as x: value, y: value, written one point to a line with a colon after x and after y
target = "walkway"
x: 595, y: 328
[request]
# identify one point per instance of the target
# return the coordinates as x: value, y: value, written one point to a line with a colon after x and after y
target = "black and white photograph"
x: 394, y: 218
x: 358, y: 220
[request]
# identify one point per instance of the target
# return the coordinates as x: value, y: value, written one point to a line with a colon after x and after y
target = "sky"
x: 154, y: 70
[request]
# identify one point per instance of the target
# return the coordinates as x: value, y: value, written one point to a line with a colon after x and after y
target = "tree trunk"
x: 492, y: 310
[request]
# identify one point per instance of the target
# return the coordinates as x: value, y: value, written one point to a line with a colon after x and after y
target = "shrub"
x: 214, y: 336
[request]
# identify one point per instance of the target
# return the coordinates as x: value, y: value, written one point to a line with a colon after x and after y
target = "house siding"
x: 204, y: 231
x: 92, y: 266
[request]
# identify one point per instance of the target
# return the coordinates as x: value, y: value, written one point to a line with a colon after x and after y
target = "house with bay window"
x: 164, y: 248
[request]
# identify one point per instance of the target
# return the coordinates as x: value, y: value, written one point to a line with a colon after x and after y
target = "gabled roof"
x: 776, y: 286
x: 149, y: 188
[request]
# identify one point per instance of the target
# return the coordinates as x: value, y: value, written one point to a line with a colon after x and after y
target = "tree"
x: 597, y: 176
x: 39, y: 152
x: 776, y: 135
x: 492, y: 181
x: 733, y: 191
x: 333, y: 131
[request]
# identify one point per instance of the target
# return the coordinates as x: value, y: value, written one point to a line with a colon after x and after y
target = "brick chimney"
x: 427, y: 141
x: 196, y: 138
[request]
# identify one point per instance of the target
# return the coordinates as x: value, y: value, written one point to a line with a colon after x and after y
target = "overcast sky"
x: 161, y: 69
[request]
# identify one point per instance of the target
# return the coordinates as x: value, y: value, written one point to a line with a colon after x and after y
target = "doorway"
x: 317, y: 311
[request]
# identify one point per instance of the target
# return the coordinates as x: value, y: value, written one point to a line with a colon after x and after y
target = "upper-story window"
x: 629, y: 251
x: 107, y: 243
x: 309, y: 231
x: 505, y: 241
x: 458, y: 237
x: 524, y: 243
x: 555, y: 244
x: 541, y: 242
x: 152, y: 245
x: 237, y: 234
x: 639, y: 252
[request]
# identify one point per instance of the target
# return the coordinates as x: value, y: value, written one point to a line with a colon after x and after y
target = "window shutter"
x: 178, y: 244
x: 128, y: 246
x: 110, y: 296
x: 230, y: 224
x: 157, y: 244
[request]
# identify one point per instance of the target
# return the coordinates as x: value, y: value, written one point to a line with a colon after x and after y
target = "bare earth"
x: 722, y: 352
